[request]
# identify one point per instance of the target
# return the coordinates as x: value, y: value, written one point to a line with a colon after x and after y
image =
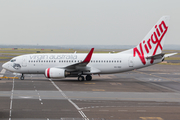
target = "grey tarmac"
x: 151, y: 93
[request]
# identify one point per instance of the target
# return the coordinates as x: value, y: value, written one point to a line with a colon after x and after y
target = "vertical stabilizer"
x: 152, y: 44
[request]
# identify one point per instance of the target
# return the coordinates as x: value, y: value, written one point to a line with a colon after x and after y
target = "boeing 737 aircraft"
x: 55, y: 66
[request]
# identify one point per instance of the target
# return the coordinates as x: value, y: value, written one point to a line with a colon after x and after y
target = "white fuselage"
x: 99, y: 64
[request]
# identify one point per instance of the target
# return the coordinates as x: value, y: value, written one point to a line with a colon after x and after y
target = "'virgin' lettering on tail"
x: 155, y: 39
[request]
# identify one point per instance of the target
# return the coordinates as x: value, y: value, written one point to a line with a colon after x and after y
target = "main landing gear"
x: 22, y: 77
x: 80, y: 78
x: 88, y: 78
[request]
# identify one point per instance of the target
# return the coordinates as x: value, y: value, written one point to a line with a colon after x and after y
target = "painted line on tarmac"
x: 2, y: 72
x: 12, y: 92
x: 65, y: 96
x: 157, y: 76
x: 157, y: 84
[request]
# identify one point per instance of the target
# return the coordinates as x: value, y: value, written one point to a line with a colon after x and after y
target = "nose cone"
x: 5, y: 65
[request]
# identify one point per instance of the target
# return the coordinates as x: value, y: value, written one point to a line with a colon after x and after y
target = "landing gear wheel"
x: 81, y: 78
x: 22, y: 77
x: 88, y: 77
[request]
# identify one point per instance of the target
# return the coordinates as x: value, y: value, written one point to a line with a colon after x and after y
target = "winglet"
x: 88, y: 57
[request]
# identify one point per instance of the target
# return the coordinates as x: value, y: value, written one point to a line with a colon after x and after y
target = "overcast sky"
x: 84, y: 22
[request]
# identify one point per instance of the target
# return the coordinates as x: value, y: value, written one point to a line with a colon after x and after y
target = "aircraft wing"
x: 81, y: 65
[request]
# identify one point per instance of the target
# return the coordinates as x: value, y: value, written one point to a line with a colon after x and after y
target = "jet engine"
x: 55, y: 73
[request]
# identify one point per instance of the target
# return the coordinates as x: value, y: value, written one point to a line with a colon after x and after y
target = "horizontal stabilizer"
x: 158, y: 56
x: 168, y: 55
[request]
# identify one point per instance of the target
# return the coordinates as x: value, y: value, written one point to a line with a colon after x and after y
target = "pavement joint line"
x: 64, y: 95
x: 123, y: 110
x: 141, y: 110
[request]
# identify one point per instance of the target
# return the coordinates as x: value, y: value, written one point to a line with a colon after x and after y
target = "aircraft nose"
x: 5, y: 65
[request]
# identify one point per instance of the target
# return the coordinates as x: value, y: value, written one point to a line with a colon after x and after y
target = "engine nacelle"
x: 55, y: 73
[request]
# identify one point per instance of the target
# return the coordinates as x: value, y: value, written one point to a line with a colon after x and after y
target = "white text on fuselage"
x: 40, y: 57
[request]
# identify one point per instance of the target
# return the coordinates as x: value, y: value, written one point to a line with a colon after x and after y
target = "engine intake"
x: 55, y: 73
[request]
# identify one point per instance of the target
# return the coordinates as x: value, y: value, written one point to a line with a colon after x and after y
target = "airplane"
x: 56, y: 66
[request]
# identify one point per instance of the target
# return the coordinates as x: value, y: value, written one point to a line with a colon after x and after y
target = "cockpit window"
x: 13, y: 60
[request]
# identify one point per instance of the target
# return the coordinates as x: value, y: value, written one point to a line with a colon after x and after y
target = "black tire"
x: 81, y: 78
x: 88, y: 77
x: 22, y: 77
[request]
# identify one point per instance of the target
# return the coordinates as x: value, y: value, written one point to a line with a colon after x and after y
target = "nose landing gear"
x: 22, y: 77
